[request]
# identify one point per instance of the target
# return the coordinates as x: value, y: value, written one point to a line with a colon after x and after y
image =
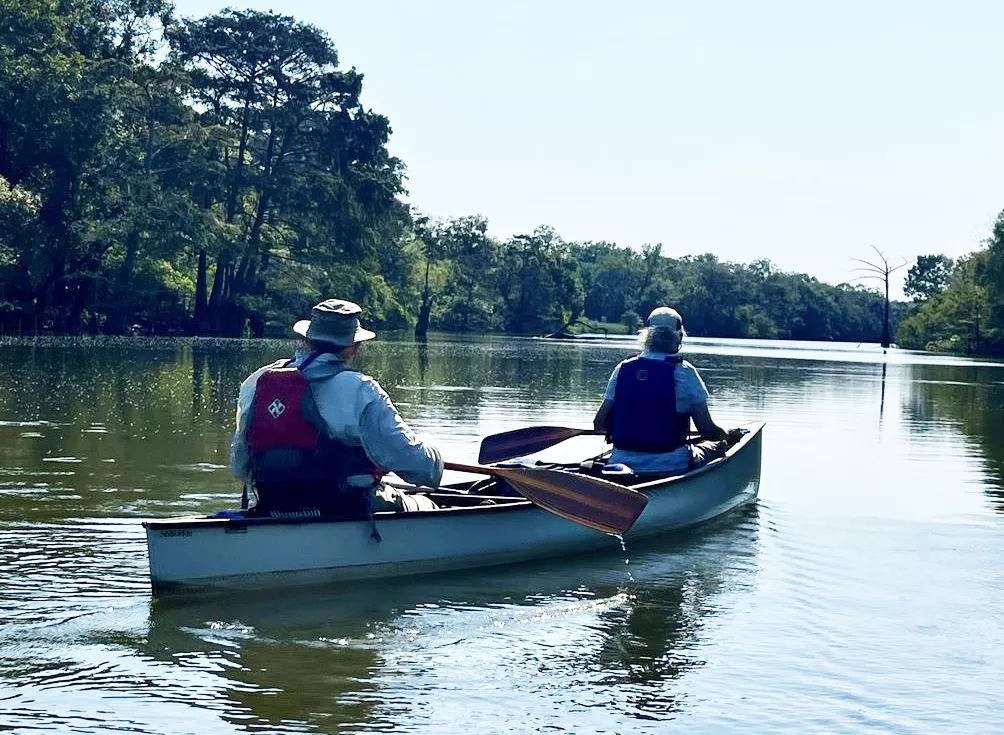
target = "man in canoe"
x: 315, y: 436
x: 650, y: 401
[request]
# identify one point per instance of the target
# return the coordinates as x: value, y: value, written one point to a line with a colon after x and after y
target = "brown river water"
x: 863, y: 593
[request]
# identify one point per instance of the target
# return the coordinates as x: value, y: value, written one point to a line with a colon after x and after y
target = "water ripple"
x: 862, y: 594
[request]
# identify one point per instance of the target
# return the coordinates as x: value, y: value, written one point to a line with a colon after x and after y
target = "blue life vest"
x: 644, y: 413
x: 295, y: 465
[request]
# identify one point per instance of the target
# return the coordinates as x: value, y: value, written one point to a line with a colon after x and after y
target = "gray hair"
x: 660, y: 339
x: 325, y: 348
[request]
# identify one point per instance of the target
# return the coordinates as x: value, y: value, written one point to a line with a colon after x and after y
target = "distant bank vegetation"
x: 218, y: 176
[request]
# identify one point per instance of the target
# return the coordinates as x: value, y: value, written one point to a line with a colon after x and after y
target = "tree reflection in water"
x: 970, y: 399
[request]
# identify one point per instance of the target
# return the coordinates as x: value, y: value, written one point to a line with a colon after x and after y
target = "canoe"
x: 205, y: 552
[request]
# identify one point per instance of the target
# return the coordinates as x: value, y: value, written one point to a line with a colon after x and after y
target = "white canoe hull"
x: 205, y: 552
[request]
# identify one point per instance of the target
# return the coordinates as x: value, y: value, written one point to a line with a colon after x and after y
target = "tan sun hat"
x: 334, y: 322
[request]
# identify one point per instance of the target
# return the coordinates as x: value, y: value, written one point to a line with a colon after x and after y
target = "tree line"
x: 218, y: 176
x: 541, y: 283
x: 958, y: 305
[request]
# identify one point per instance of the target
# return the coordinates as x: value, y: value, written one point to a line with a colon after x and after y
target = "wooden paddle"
x: 589, y: 501
x: 521, y: 442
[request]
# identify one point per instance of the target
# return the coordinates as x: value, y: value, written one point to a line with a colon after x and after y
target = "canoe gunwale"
x: 382, y: 516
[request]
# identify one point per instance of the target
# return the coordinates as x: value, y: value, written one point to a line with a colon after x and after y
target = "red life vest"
x: 279, y: 418
x: 294, y: 463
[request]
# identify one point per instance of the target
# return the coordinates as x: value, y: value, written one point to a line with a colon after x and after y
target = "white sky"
x: 801, y: 132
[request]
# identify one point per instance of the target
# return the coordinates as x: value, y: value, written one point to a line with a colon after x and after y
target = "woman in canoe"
x: 650, y: 401
x: 315, y: 436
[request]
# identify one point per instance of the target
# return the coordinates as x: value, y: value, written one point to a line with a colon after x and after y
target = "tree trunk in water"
x: 216, y: 301
x: 200, y: 317
x: 118, y: 318
x: 885, y: 318
x: 978, y: 338
x: 77, y: 306
x: 53, y: 218
x: 422, y: 326
x: 256, y: 325
x: 235, y: 319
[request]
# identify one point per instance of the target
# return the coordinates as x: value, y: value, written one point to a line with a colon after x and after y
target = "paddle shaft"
x: 474, y: 468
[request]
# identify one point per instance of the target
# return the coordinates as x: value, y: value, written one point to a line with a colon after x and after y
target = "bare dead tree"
x: 877, y: 272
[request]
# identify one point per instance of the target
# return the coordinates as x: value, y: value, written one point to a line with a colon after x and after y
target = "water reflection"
x: 142, y: 426
x: 966, y: 399
x: 327, y: 657
x: 422, y: 348
x: 95, y: 435
x: 882, y: 399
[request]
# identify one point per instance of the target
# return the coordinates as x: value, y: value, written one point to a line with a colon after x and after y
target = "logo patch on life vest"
x: 277, y: 408
x: 641, y: 375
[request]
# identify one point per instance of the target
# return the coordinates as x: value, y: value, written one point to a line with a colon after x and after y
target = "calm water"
x: 864, y: 593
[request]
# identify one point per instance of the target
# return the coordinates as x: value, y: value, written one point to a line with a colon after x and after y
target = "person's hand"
x: 732, y: 436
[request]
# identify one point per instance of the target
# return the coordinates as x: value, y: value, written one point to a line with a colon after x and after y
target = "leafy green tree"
x: 474, y: 258
x: 967, y: 315
x: 631, y: 320
x: 710, y: 295
x: 146, y: 185
x: 308, y: 177
x: 18, y: 216
x: 928, y: 276
x: 538, y: 283
x: 995, y: 273
x: 60, y: 67
x: 463, y: 243
x: 399, y: 257
x: 612, y: 279
x: 956, y: 319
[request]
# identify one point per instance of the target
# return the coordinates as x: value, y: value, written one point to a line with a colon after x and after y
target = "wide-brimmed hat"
x: 665, y: 318
x: 334, y: 322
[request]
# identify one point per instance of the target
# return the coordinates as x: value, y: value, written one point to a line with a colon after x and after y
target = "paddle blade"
x: 520, y: 442
x: 589, y: 501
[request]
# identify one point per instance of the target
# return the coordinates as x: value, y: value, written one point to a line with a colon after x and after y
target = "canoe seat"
x: 623, y: 475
